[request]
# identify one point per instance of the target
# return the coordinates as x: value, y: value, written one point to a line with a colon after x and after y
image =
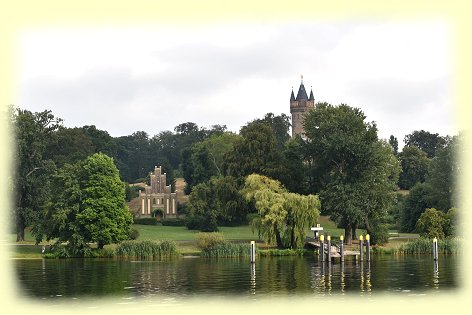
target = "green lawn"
x: 180, y: 233
x: 29, y: 239
x: 329, y: 228
x: 185, y: 239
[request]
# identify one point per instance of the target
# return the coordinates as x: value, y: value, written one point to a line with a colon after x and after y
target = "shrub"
x: 204, y: 224
x: 159, y: 212
x: 50, y: 256
x: 451, y: 221
x: 379, y: 234
x: 68, y: 251
x: 182, y: 208
x: 207, y: 240
x: 430, y: 223
x: 140, y: 180
x: 131, y: 192
x: 133, y: 234
x: 145, y: 221
x: 173, y: 222
x: 62, y: 251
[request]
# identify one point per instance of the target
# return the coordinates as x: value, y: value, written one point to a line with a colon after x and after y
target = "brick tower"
x: 298, y: 107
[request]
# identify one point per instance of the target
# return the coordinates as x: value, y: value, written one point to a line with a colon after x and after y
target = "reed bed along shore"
x: 226, y: 249
x: 424, y: 246
x: 146, y: 250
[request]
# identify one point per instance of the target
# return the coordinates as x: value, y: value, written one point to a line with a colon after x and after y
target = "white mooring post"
x: 341, y: 247
x: 252, y: 254
x: 367, y: 247
x: 322, y: 247
x: 329, y: 248
x: 435, y: 249
x: 361, y: 248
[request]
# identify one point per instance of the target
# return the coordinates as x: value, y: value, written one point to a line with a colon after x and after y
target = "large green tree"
x: 354, y: 173
x: 205, y: 158
x: 69, y: 145
x: 444, y: 174
x: 393, y: 141
x: 88, y: 205
x: 33, y: 169
x: 101, y: 140
x: 255, y: 152
x: 426, y: 141
x: 431, y: 224
x: 439, y: 190
x: 418, y: 200
x: 284, y: 217
x: 294, y: 166
x: 215, y: 202
x: 133, y: 156
x: 280, y: 126
x: 415, y: 165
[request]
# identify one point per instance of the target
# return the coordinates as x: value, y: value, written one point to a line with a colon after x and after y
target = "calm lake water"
x: 76, y: 279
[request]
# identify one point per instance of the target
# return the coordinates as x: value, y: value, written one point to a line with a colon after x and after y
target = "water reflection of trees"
x: 268, y: 276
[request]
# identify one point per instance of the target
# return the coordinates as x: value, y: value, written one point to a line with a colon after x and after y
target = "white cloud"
x: 152, y: 78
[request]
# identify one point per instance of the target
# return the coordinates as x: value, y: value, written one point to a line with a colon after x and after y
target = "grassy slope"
x: 180, y: 233
x: 186, y: 238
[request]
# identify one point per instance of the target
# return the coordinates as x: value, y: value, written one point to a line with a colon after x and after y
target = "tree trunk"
x: 20, y: 231
x: 354, y: 234
x: 20, y: 236
x: 348, y: 234
x: 292, y: 236
x: 278, y: 239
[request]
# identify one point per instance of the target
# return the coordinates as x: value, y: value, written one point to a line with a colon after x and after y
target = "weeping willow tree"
x: 284, y: 217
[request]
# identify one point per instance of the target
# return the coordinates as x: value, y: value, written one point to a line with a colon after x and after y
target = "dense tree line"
x: 340, y: 161
x: 435, y: 188
x: 46, y: 150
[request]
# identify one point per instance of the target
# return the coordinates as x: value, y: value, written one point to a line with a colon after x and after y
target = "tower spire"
x: 301, y: 95
x: 299, y: 106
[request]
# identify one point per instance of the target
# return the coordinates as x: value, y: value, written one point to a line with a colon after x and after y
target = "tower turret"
x: 299, y: 106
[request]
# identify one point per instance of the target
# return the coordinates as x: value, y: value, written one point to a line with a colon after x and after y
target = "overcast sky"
x: 154, y: 77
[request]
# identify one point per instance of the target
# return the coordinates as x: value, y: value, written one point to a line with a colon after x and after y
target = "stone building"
x: 298, y: 107
x: 158, y: 196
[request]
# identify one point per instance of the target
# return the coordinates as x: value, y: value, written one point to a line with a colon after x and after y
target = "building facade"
x: 158, y: 196
x: 299, y: 106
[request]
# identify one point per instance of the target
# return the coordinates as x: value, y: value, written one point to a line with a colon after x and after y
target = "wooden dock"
x: 334, y: 250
